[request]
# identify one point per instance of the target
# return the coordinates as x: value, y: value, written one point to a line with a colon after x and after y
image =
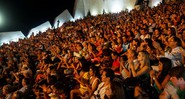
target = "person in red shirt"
x: 116, y: 63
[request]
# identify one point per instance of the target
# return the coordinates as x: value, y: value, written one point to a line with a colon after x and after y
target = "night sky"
x: 23, y: 15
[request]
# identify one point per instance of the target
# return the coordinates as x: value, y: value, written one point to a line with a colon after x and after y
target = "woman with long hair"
x: 141, y: 71
x: 161, y: 78
x: 93, y: 82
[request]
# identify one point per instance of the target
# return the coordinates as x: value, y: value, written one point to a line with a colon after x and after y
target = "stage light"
x: 116, y: 6
x: 155, y: 2
x: 129, y: 8
x: 78, y: 15
x: 94, y: 12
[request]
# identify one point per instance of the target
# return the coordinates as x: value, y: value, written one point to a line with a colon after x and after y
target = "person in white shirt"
x: 144, y: 34
x: 175, y: 53
x: 174, y: 50
x: 104, y: 88
x: 124, y: 68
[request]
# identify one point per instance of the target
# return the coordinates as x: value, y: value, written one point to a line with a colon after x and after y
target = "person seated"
x: 124, y: 68
x: 174, y: 50
x: 104, y: 88
x: 25, y: 87
x: 141, y: 71
x: 175, y: 88
x: 116, y: 63
x: 17, y: 95
x: 160, y: 79
x: 7, y: 91
x: 93, y: 82
x: 81, y: 78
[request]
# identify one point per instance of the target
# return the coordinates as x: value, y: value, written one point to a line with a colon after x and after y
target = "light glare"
x: 94, y: 12
x: 129, y: 8
x: 116, y: 6
x: 155, y: 2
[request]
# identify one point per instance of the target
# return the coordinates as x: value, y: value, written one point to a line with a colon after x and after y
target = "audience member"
x: 62, y: 54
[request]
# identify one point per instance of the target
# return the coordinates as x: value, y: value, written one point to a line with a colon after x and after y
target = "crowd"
x: 138, y: 54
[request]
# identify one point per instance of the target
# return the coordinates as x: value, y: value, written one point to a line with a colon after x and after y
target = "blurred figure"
x: 175, y: 89
x: 7, y: 91
x: 17, y: 95
x: 104, y: 88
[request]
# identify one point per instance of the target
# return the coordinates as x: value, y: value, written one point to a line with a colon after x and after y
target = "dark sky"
x: 23, y: 15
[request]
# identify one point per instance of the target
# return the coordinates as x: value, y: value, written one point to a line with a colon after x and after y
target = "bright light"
x: 155, y: 2
x: 115, y: 9
x: 116, y: 6
x: 78, y: 15
x: 94, y: 12
x: 129, y: 8
x: 72, y: 20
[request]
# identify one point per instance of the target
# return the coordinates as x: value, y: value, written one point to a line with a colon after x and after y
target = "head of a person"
x: 124, y: 38
x: 76, y: 60
x: 156, y: 31
x: 105, y: 64
x: 171, y: 31
x: 114, y: 55
x: 123, y: 59
x: 91, y: 47
x: 42, y: 83
x: 150, y: 49
x: 178, y: 77
x: 143, y: 56
x: 165, y: 64
x: 17, y: 95
x: 135, y: 42
x: 131, y: 54
x: 148, y: 41
x: 107, y: 75
x: 27, y: 73
x: 7, y: 89
x: 36, y: 90
x: 174, y: 42
x: 106, y: 52
x: 135, y: 32
x: 143, y: 31
x: 79, y: 46
x: 25, y: 81
x: 94, y: 71
x: 64, y: 51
